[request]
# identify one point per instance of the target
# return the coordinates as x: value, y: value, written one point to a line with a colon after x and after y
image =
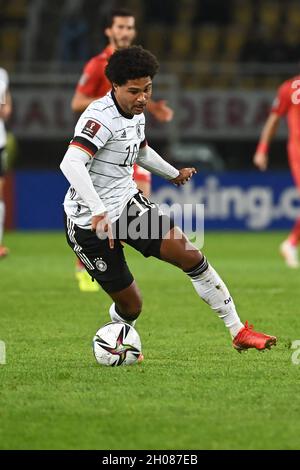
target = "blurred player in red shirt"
x: 286, y: 103
x: 93, y: 84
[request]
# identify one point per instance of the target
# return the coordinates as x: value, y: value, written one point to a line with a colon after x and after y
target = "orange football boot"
x: 248, y: 338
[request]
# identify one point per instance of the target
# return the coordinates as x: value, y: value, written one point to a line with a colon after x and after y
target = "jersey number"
x: 131, y: 155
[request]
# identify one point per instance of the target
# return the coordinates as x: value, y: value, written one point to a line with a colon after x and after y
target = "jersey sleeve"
x: 282, y: 101
x: 92, y: 131
x: 91, y: 79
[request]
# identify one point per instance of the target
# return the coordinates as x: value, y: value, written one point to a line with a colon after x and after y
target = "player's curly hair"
x: 129, y: 64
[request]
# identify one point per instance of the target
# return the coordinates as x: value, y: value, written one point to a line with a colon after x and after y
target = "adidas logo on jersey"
x: 123, y: 135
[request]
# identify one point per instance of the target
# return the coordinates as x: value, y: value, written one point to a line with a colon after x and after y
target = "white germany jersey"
x: 3, y: 90
x: 112, y: 139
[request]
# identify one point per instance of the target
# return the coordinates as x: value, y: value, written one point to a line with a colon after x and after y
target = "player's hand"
x: 161, y: 111
x: 101, y: 224
x: 261, y: 160
x: 184, y: 176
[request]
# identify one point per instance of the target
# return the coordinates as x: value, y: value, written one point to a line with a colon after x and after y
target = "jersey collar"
x: 125, y: 115
x: 109, y: 50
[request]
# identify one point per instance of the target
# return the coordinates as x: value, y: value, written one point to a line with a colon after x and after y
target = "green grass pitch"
x: 193, y: 391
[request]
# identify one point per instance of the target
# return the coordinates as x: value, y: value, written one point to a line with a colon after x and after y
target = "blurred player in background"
x: 5, y: 112
x: 120, y: 31
x: 285, y: 104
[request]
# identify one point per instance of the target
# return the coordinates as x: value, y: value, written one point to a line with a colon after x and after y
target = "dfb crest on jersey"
x: 138, y: 131
x: 100, y: 265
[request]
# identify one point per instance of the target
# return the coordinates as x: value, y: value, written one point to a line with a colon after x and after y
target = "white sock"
x: 116, y: 317
x: 2, y: 216
x: 210, y: 287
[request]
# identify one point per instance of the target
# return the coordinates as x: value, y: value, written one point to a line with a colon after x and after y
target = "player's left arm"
x: 160, y: 110
x: 261, y: 156
x: 280, y: 107
x: 151, y: 161
x: 6, y: 108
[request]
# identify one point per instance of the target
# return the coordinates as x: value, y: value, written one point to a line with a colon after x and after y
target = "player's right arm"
x: 74, y: 168
x: 280, y: 107
x: 90, y: 136
x: 88, y: 85
x: 261, y: 156
x: 80, y: 102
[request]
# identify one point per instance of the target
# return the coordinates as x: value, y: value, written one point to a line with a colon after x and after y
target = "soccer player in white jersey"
x: 93, y: 84
x: 5, y: 112
x: 103, y: 202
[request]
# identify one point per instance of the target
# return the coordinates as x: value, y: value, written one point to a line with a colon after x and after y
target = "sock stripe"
x: 199, y: 269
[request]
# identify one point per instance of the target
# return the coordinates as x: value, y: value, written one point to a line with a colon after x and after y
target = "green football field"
x: 193, y: 391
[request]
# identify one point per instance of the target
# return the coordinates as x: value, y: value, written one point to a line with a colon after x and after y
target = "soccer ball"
x: 117, y: 344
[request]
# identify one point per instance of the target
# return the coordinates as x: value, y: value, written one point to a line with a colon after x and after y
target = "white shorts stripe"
x: 77, y: 248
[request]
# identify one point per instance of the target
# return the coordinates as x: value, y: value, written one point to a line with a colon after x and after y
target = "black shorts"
x: 141, y: 226
x: 3, y: 161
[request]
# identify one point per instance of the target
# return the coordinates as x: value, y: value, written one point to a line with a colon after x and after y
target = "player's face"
x: 122, y: 32
x: 134, y: 95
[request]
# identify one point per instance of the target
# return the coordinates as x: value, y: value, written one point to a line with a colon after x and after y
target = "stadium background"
x: 221, y: 63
